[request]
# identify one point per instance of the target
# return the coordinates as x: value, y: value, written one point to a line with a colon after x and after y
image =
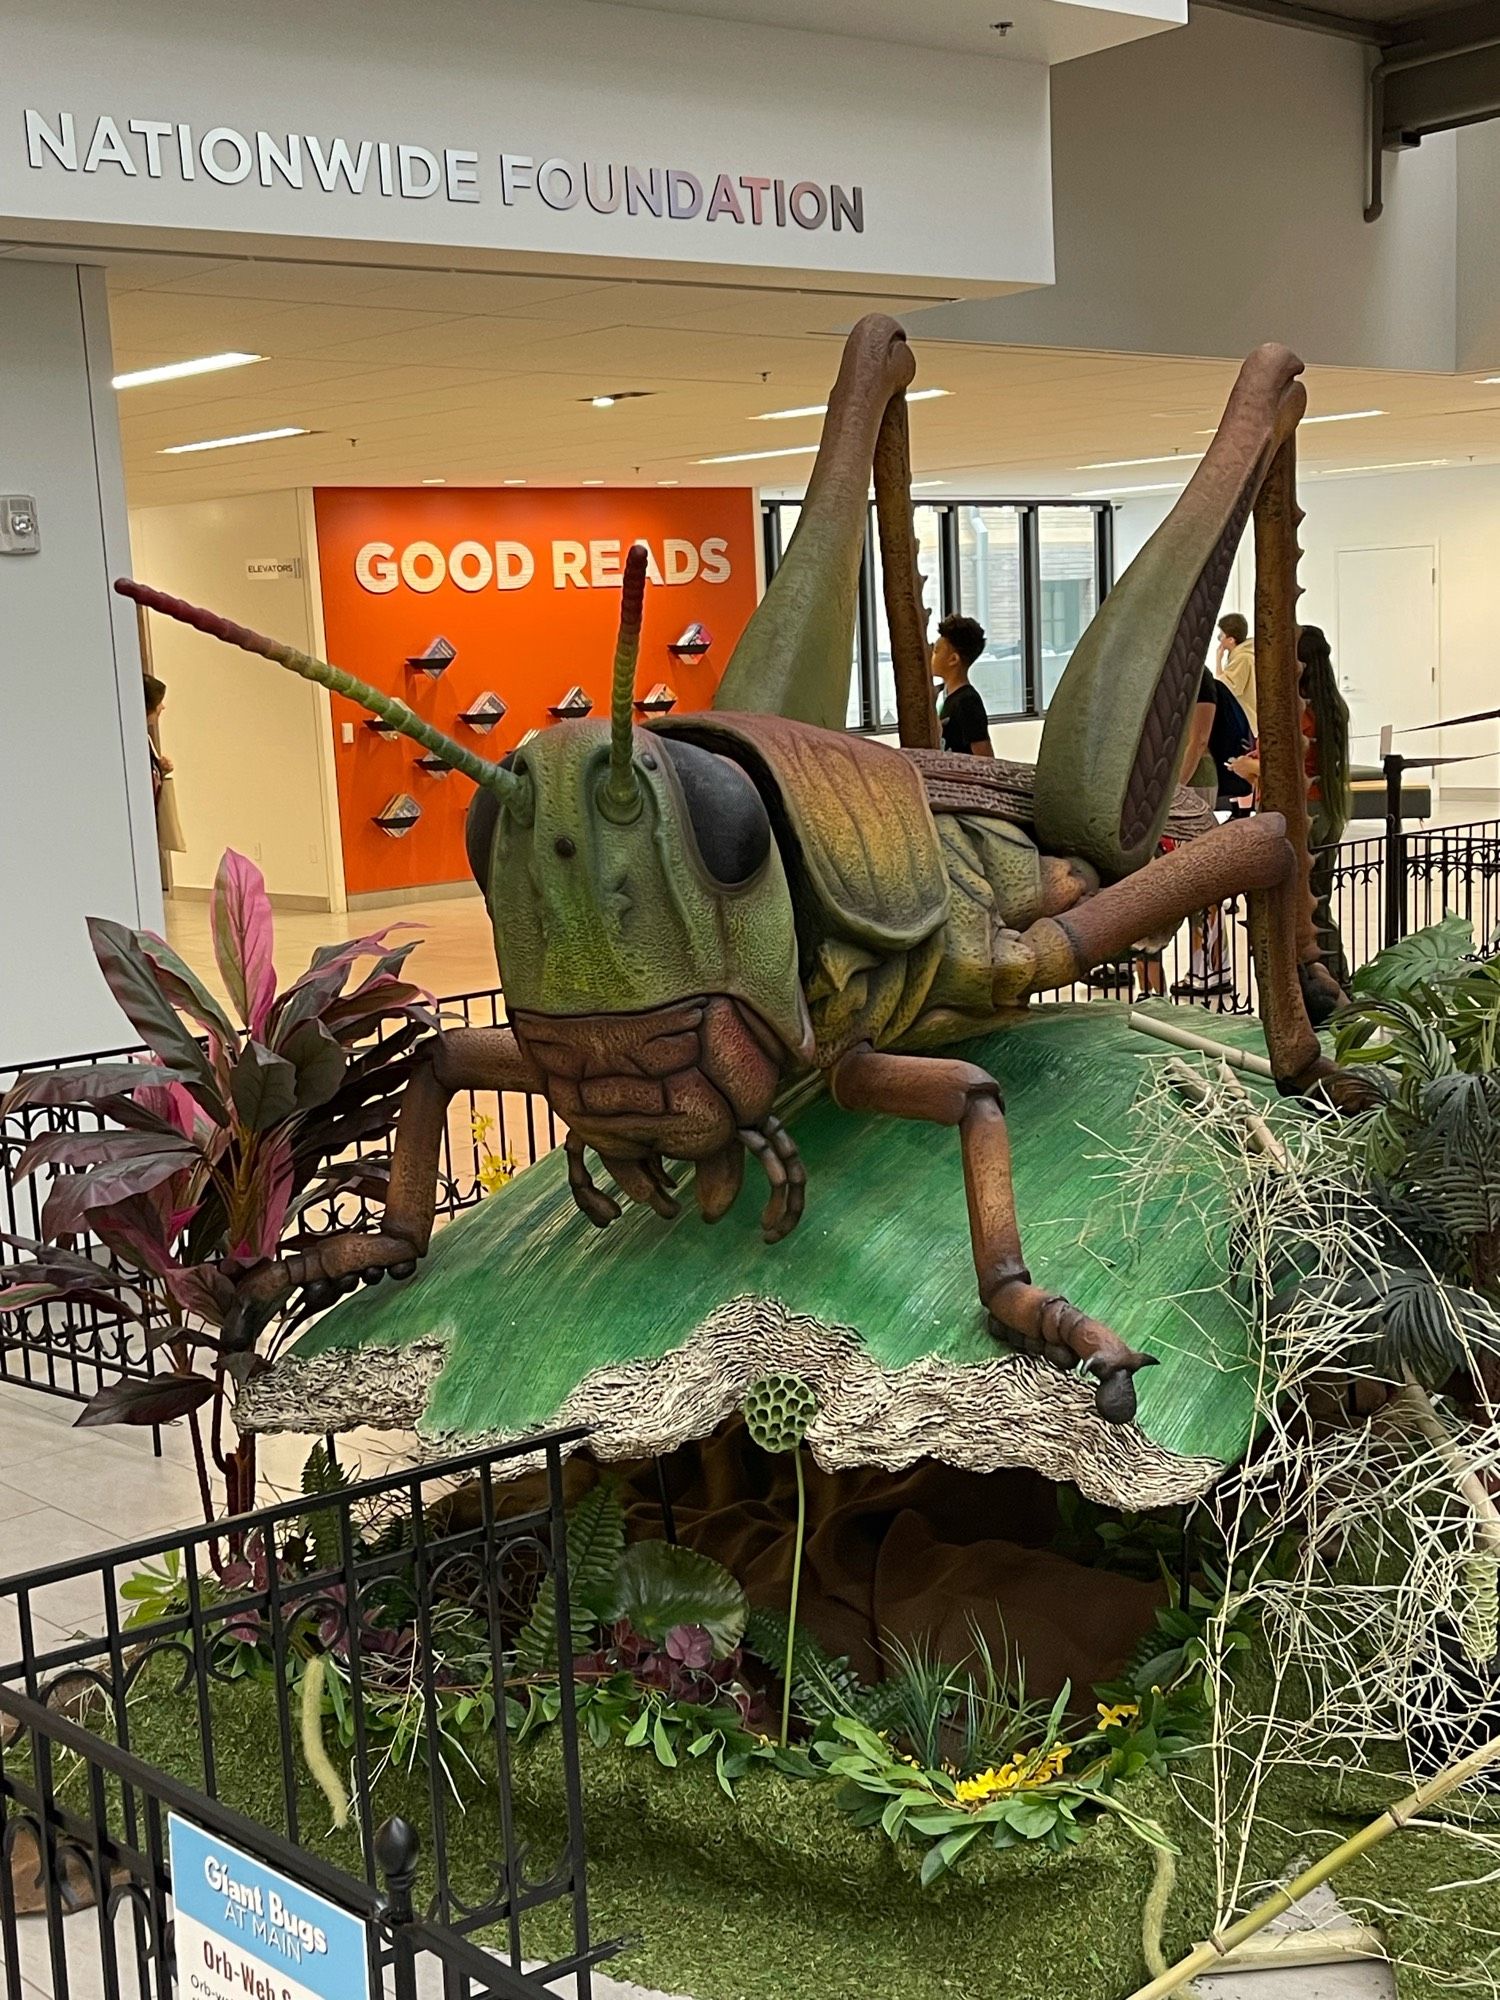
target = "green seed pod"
x: 778, y: 1411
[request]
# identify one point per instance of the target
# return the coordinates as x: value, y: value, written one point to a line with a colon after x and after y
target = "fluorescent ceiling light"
x: 1119, y: 492
x: 917, y: 485
x: 591, y: 482
x: 174, y: 371
x: 223, y: 444
x: 821, y: 409
x: 669, y: 482
x: 1118, y: 464
x: 513, y: 482
x: 1330, y: 417
x: 1393, y: 465
x: 1487, y: 381
x: 434, y: 482
x: 739, y: 457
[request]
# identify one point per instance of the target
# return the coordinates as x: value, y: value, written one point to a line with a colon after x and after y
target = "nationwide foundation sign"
x: 637, y: 137
x: 167, y: 150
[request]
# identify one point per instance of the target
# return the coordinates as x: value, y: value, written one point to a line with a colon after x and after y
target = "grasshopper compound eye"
x: 728, y: 818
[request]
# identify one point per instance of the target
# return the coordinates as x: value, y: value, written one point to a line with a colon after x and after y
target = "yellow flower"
x: 1042, y: 1770
x: 481, y: 1126
x: 494, y: 1172
x: 988, y: 1785
x: 1112, y: 1714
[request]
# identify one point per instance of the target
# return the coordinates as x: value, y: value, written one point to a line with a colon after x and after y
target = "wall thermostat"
x: 18, y: 530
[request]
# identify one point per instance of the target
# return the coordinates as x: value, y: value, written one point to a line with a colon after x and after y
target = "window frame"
x: 944, y: 587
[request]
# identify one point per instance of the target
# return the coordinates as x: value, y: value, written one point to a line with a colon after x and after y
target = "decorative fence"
x: 1378, y: 889
x: 401, y: 1595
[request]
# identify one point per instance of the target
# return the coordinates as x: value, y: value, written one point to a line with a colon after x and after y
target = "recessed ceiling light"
x: 669, y: 482
x: 739, y: 457
x: 821, y: 409
x: 602, y: 402
x: 174, y: 371
x: 1487, y: 381
x: 434, y: 482
x: 591, y: 482
x: 513, y: 482
x: 918, y: 485
x: 1391, y: 465
x: 224, y: 444
x: 1118, y: 464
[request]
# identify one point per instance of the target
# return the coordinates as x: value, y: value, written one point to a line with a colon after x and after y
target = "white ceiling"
x: 1048, y: 31
x: 476, y: 378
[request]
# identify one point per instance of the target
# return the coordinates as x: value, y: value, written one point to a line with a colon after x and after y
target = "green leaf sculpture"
x: 662, y: 1585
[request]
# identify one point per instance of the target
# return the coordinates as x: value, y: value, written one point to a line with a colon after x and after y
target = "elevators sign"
x: 245, y: 1932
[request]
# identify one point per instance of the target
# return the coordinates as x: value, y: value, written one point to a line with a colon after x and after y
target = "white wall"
x: 1478, y: 265
x: 1208, y: 189
x: 250, y: 741
x: 78, y: 836
x: 1457, y: 512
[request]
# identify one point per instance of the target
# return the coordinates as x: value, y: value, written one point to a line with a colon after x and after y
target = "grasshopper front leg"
x: 948, y: 1092
x: 460, y: 1059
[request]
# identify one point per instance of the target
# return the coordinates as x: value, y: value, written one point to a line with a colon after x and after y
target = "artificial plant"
x: 779, y: 1410
x: 212, y: 1147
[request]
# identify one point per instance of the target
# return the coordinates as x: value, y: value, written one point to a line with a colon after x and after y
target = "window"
x: 991, y: 589
x: 1068, y: 567
x: 1032, y: 572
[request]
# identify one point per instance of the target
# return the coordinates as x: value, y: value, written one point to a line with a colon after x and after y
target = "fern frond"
x: 596, y: 1542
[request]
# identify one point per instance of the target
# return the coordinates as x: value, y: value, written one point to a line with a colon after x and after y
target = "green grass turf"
x: 774, y: 1896
x: 529, y: 1298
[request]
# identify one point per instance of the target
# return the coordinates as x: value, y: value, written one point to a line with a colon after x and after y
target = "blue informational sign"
x: 244, y: 1932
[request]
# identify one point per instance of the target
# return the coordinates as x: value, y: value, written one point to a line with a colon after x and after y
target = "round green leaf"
x: 662, y: 1584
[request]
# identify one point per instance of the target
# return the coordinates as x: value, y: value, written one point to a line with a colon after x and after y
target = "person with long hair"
x: 1325, y: 765
x: 1325, y: 725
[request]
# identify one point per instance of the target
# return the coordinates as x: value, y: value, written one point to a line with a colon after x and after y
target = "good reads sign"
x: 245, y: 1932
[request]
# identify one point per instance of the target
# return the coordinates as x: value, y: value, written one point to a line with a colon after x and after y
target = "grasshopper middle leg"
x: 949, y: 1092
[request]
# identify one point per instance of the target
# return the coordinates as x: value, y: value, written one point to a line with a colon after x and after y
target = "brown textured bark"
x: 948, y: 1092
x: 906, y: 615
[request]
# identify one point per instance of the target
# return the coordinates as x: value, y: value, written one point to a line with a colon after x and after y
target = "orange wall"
x: 528, y: 644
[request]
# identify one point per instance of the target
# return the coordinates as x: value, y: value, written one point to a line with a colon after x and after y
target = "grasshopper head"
x: 639, y: 901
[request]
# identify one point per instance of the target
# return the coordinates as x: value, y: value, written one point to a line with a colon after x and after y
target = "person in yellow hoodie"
x: 1235, y: 665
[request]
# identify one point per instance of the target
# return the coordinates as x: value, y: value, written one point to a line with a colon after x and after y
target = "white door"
x: 1385, y: 647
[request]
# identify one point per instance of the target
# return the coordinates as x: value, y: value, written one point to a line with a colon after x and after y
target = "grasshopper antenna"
x: 620, y: 794
x: 457, y: 756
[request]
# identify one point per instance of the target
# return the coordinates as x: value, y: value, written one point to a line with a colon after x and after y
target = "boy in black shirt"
x: 965, y: 720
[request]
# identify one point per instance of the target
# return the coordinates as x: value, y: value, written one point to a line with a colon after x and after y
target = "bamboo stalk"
x: 1275, y: 1951
x: 1184, y: 1038
x: 1212, y: 1954
x: 1414, y: 1401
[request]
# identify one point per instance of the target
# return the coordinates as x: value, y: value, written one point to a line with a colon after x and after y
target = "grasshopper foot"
x: 1045, y: 1326
x: 776, y: 1149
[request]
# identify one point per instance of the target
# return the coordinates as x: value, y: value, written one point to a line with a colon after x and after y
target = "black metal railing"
x: 402, y: 1596
x: 72, y: 1351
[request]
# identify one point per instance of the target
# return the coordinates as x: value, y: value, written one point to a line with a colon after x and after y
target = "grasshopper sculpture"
x: 688, y: 914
